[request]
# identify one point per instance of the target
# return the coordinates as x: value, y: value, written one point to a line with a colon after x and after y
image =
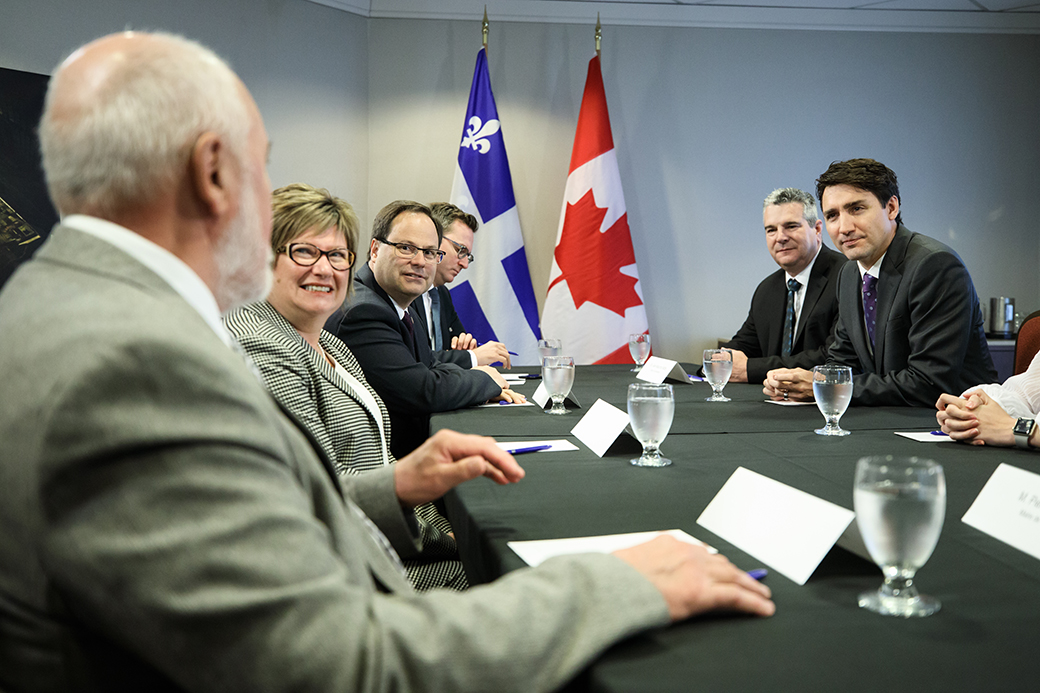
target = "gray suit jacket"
x: 328, y: 408
x: 166, y: 527
x: 929, y: 335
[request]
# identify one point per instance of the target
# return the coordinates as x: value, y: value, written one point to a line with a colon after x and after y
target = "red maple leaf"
x: 591, y: 261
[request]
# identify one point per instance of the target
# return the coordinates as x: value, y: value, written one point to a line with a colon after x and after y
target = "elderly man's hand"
x: 446, y: 460
x: 693, y: 581
x: 975, y: 419
x: 788, y: 384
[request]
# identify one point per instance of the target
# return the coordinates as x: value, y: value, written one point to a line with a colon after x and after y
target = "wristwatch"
x: 1023, y: 429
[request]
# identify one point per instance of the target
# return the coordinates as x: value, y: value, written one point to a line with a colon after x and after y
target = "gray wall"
x: 706, y: 122
x: 306, y: 65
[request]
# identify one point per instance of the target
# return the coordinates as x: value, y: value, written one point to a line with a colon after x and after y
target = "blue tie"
x: 870, y: 304
x: 788, y: 343
x: 435, y: 318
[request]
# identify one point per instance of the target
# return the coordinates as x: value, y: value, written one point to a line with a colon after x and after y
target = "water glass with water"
x: 549, y: 347
x: 650, y: 412
x: 718, y: 366
x: 832, y: 388
x: 900, y: 505
x: 558, y: 377
x: 639, y: 347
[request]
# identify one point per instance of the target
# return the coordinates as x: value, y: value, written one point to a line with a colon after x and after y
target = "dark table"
x: 984, y: 638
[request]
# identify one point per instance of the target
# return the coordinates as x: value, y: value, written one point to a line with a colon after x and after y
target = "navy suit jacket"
x: 929, y: 334
x: 413, y: 385
x: 761, y: 335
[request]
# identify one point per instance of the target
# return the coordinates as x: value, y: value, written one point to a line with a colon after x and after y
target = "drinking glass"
x: 900, y: 504
x: 558, y: 377
x: 718, y: 365
x: 832, y: 388
x: 549, y: 347
x: 639, y: 347
x: 650, y: 411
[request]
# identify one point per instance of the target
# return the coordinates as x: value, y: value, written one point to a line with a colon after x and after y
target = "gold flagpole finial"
x: 484, y: 27
x: 599, y: 33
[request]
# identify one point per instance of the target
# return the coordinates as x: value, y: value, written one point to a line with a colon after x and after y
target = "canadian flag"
x: 594, y: 299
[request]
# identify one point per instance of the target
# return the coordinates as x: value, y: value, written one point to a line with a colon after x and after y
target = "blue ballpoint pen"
x: 533, y: 448
x: 758, y: 573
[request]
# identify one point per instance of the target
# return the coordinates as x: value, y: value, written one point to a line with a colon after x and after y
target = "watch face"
x: 1023, y: 427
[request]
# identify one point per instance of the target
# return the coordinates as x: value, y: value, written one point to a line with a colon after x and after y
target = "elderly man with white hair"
x: 165, y: 525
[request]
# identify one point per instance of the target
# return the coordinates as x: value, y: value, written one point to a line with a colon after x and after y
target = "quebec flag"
x: 495, y: 299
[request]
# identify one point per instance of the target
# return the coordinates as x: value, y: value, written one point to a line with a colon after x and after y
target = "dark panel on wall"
x: 26, y: 213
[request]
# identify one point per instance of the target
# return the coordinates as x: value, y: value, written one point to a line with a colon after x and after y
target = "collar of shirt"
x: 400, y: 311
x: 170, y: 268
x: 803, y: 276
x: 874, y: 271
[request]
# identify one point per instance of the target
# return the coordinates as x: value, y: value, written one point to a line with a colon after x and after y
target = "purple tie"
x: 870, y: 304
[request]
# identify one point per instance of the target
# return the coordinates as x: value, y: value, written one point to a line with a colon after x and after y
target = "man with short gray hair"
x: 793, y: 310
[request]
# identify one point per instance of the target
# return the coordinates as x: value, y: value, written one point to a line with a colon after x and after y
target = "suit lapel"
x: 888, y: 286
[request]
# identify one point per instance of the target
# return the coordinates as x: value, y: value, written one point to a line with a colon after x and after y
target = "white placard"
x: 787, y: 529
x: 925, y: 436
x: 541, y: 396
x: 1008, y: 509
x: 600, y: 426
x: 535, y: 552
x: 656, y: 369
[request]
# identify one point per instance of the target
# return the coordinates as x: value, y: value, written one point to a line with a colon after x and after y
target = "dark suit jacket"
x: 451, y: 326
x: 929, y: 335
x: 411, y: 387
x: 167, y: 528
x: 761, y: 334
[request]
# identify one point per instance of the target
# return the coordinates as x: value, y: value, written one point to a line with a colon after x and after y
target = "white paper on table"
x: 788, y: 402
x: 656, y: 369
x: 600, y: 426
x: 527, y: 403
x: 541, y: 395
x: 1008, y: 509
x: 786, y: 528
x: 925, y: 436
x: 535, y: 552
x: 559, y: 445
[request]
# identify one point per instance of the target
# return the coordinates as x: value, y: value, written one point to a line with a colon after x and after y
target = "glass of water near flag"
x: 594, y: 300
x: 495, y: 301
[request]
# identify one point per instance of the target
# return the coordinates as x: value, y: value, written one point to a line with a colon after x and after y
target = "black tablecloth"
x: 747, y: 413
x: 984, y: 638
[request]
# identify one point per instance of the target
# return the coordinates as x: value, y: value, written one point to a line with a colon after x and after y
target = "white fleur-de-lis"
x: 477, y: 134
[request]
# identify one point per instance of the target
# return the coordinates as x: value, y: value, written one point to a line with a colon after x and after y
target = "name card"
x: 600, y: 426
x: 656, y: 369
x: 785, y: 528
x: 541, y: 396
x: 1008, y: 509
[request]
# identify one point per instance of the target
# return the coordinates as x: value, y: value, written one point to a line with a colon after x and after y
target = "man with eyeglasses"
x: 386, y: 332
x: 442, y: 323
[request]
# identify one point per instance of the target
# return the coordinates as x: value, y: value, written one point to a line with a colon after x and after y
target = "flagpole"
x: 484, y: 28
x: 599, y: 32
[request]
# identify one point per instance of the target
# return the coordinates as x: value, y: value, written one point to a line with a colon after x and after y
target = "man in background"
x: 909, y: 322
x: 793, y: 310
x: 382, y: 324
x: 165, y: 525
x: 443, y: 324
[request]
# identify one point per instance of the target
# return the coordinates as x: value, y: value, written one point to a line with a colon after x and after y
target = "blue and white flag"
x: 496, y: 300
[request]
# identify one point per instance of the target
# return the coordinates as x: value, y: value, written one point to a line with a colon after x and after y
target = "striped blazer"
x: 308, y: 386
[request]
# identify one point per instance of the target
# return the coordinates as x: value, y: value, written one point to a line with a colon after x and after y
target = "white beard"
x: 245, y: 266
